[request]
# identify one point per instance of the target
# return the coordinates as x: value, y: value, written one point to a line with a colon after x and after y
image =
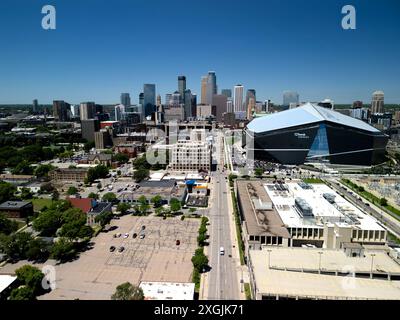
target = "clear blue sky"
x: 102, y: 48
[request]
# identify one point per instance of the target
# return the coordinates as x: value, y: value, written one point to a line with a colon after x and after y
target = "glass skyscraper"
x: 149, y: 99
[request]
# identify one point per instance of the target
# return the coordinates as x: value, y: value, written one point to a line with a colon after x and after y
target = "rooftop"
x: 14, y: 204
x: 305, y: 114
x: 6, y: 281
x: 167, y: 290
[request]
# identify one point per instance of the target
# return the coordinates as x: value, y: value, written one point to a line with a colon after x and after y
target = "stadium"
x: 311, y: 133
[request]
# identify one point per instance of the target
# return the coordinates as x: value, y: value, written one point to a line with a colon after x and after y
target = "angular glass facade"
x: 320, y: 146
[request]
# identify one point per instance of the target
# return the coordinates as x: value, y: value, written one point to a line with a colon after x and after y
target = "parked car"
x: 134, y: 235
x: 120, y: 249
x: 143, y: 227
x: 126, y: 235
x: 117, y: 235
x: 142, y: 236
x: 112, y: 249
x: 178, y: 242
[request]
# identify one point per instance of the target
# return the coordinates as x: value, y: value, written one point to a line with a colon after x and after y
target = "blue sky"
x: 102, y: 48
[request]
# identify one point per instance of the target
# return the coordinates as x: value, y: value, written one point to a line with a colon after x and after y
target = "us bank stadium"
x: 311, y: 133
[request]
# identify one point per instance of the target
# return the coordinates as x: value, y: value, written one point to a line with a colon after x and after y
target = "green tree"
x: 26, y: 194
x: 31, y: 277
x: 7, y: 226
x: 43, y: 170
x: 142, y: 200
x: 7, y: 191
x: 121, y: 157
x: 383, y: 202
x: 16, y: 245
x: 175, y: 205
x: 141, y: 174
x: 109, y: 197
x: 104, y: 218
x: 98, y: 172
x: 128, y: 291
x: 23, y: 168
x: 123, y: 207
x: 199, y: 260
x: 22, y: 293
x: 72, y: 190
x: 258, y: 172
x: 37, y: 250
x: 55, y: 195
x: 63, y: 250
x: 47, y: 222
x: 157, y: 201
x: 93, y: 195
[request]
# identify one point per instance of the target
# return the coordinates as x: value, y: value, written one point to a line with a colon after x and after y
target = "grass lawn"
x: 312, y: 180
x: 38, y: 204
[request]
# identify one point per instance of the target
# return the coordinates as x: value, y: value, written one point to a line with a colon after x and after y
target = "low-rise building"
x: 7, y: 283
x: 100, y: 158
x: 16, y: 209
x: 91, y: 207
x: 16, y: 179
x: 167, y: 290
x: 69, y: 174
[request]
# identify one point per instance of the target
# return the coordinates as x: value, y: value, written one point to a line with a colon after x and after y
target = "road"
x: 222, y: 280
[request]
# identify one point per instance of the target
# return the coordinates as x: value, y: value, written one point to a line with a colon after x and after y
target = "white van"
x: 221, y: 251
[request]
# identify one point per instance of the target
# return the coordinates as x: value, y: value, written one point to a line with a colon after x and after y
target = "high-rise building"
x: 290, y: 97
x: 119, y: 111
x: 188, y: 103
x: 61, y: 110
x: 35, y: 106
x: 87, y: 110
x: 203, y: 97
x: 194, y: 105
x: 141, y: 98
x: 238, y: 98
x: 251, y: 108
x: 377, y: 103
x: 227, y: 93
x: 219, y: 101
x: 149, y: 99
x: 211, y: 86
x: 182, y: 87
x: 89, y: 127
x: 175, y: 99
x: 250, y: 93
x: 126, y: 100
x: 229, y: 105
x: 168, y: 98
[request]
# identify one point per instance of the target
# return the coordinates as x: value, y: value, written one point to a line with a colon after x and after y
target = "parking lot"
x: 156, y: 257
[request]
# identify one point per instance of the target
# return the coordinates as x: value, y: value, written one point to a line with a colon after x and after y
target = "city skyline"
x: 349, y: 72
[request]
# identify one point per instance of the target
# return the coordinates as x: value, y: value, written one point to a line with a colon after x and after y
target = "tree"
x: 31, y: 277
x: 199, y: 260
x: 47, y: 222
x: 141, y: 162
x: 98, y: 172
x: 383, y: 202
x: 16, y: 245
x: 63, y: 250
x: 157, y: 201
x: 7, y: 191
x: 93, y: 195
x: 123, y: 207
x: 37, y: 250
x: 23, y: 168
x: 7, y: 226
x: 55, y: 196
x: 74, y: 225
x: 88, y: 145
x: 141, y: 174
x: 175, y: 205
x: 258, y: 172
x: 121, y: 157
x: 26, y: 194
x: 109, y: 197
x: 104, y: 218
x: 143, y: 208
x: 72, y: 190
x: 22, y: 293
x: 142, y: 200
x: 43, y: 170
x: 128, y: 291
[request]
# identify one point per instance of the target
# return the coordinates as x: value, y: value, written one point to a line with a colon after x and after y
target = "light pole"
x: 269, y: 258
x: 372, y: 262
x: 319, y: 262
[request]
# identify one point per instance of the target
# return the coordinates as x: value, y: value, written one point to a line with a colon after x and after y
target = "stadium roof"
x: 305, y: 114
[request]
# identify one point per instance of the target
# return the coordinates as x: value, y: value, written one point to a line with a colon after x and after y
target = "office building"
x: 119, y: 111
x: 211, y: 86
x: 251, y: 108
x: 16, y: 209
x: 229, y: 105
x: 203, y: 111
x: 61, y: 110
x: 68, y: 174
x: 194, y: 105
x: 238, y: 98
x: 174, y: 113
x: 193, y: 154
x: 88, y: 128
x: 182, y: 87
x: 227, y: 93
x: 125, y: 100
x: 87, y: 110
x: 187, y: 99
x: 168, y: 98
x: 219, y: 102
x: 203, y: 97
x: 149, y: 99
x: 103, y: 139
x: 175, y: 99
x: 377, y: 103
x: 141, y: 98
x: 290, y: 97
x: 35, y: 106
x: 250, y: 93
x: 312, y: 133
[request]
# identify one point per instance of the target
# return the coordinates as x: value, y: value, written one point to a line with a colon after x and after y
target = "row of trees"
x: 30, y: 280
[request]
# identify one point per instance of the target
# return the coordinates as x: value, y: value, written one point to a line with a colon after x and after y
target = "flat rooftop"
x: 6, y: 281
x: 278, y: 281
x: 259, y: 221
x: 167, y: 290
x: 14, y: 204
x: 340, y: 212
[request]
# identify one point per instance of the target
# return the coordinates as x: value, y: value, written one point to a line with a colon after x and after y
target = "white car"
x: 126, y: 235
x: 221, y: 251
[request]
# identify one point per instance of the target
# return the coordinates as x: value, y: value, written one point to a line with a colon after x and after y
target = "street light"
x: 269, y: 258
x: 319, y: 263
x: 372, y: 261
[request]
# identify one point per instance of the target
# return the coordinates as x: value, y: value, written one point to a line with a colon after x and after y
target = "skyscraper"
x: 238, y: 98
x: 290, y: 97
x: 194, y: 105
x: 119, y: 112
x: 35, y: 106
x: 141, y: 98
x: 251, y: 108
x: 149, y: 99
x: 203, y: 97
x: 188, y: 103
x: 250, y: 93
x: 175, y: 99
x: 87, y: 110
x: 377, y: 103
x: 125, y: 100
x: 219, y: 101
x: 182, y: 87
x: 61, y: 110
x: 211, y: 86
x: 229, y: 105
x: 168, y: 98
x: 227, y: 93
